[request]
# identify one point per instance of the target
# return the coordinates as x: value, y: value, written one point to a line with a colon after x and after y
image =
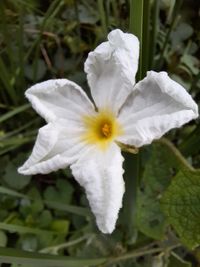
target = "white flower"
x: 86, y: 137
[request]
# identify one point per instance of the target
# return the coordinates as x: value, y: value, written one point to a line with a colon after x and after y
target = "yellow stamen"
x: 101, y: 128
x: 106, y: 130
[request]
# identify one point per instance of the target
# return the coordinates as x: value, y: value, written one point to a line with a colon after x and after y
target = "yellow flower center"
x: 101, y: 128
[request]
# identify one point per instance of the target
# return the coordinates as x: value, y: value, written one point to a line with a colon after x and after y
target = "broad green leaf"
x: 156, y: 177
x: 181, y: 204
x: 9, y: 255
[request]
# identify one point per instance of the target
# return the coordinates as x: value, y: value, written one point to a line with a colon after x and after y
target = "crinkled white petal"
x: 59, y: 98
x: 157, y: 105
x: 57, y: 145
x: 100, y: 173
x: 111, y: 69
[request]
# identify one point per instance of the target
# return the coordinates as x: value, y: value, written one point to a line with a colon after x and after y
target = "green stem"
x: 55, y: 249
x: 131, y: 161
x: 128, y: 218
x: 179, y: 157
x: 139, y: 253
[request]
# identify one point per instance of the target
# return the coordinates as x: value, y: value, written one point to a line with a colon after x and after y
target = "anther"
x: 106, y: 130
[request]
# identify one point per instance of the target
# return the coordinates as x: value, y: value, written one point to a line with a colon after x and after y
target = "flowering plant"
x: 89, y: 136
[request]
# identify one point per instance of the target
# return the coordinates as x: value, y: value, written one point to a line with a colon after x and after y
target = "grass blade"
x: 155, y: 25
x: 12, y: 113
x: 68, y: 208
x: 146, y: 34
x: 177, y: 7
x: 10, y: 255
x: 52, y: 204
x: 10, y: 192
x: 14, y: 228
x: 136, y: 26
x: 102, y: 16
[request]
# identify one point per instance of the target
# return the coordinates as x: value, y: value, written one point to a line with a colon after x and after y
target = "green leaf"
x: 9, y: 255
x: 150, y: 219
x: 181, y: 204
x: 37, y: 204
x: 60, y: 226
x: 62, y: 193
x: 45, y: 218
x: 12, y: 177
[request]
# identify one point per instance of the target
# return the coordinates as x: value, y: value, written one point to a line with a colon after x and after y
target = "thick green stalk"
x: 128, y: 216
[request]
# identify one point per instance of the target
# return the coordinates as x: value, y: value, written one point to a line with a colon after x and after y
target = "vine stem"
x: 176, y: 152
x: 54, y: 249
x: 139, y: 253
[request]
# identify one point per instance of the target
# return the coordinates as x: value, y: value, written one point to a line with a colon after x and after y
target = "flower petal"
x: 57, y: 145
x: 59, y: 98
x: 100, y: 173
x: 157, y: 105
x: 111, y: 69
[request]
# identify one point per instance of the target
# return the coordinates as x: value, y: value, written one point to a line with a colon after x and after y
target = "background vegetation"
x: 159, y: 224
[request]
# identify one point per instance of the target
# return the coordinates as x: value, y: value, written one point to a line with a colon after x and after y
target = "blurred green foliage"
x: 49, y: 213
